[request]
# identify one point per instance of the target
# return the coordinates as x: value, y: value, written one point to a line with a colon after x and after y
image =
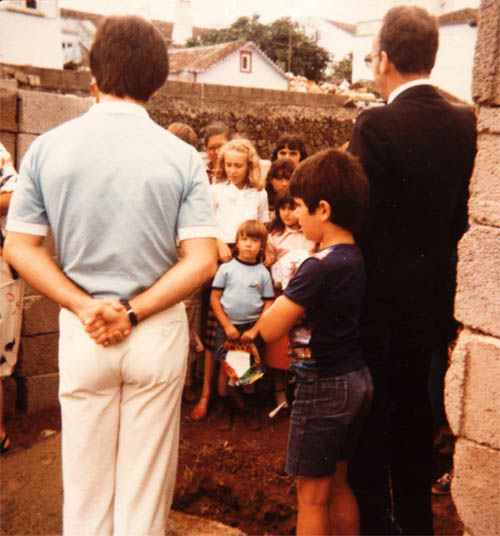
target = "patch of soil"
x: 235, y: 477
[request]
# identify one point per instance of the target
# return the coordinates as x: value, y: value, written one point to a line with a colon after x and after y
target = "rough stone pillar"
x: 472, y: 392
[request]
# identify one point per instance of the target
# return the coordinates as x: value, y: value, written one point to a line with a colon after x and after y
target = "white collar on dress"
x: 408, y: 85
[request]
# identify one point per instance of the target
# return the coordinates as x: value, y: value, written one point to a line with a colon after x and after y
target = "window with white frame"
x: 245, y: 61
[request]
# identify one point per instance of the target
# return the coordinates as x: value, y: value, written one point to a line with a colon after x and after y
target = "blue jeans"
x: 327, y: 415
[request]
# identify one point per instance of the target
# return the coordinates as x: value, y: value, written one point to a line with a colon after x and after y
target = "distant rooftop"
x: 349, y: 28
x: 462, y: 16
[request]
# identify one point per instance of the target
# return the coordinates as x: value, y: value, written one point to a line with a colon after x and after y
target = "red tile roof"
x: 199, y: 59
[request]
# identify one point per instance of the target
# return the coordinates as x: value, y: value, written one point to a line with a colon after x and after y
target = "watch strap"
x: 131, y: 314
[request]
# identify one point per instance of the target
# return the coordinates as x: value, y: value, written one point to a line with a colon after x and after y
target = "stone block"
x: 8, y: 140
x: 9, y: 395
x: 454, y: 387
x: 40, y: 315
x: 8, y: 109
x: 10, y: 85
x: 39, y: 355
x: 37, y: 393
x: 484, y: 202
x: 471, y: 395
x: 488, y: 120
x: 478, y: 280
x: 486, y: 74
x: 476, y: 487
x: 23, y: 143
x: 39, y: 112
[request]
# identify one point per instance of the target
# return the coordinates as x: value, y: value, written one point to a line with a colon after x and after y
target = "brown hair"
x: 242, y: 145
x: 253, y: 229
x: 281, y: 168
x: 185, y: 133
x: 410, y: 38
x: 338, y: 178
x: 128, y: 57
x: 291, y: 141
x: 277, y: 225
x: 215, y: 129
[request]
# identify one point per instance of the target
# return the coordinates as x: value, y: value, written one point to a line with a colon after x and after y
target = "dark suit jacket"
x: 418, y: 153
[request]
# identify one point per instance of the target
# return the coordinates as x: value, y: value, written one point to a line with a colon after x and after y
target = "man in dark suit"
x: 418, y: 152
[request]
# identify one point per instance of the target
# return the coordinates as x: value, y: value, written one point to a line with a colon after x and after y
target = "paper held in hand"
x: 242, y: 363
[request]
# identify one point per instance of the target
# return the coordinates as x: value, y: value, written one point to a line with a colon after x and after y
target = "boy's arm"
x: 250, y: 334
x: 231, y: 332
x: 279, y: 318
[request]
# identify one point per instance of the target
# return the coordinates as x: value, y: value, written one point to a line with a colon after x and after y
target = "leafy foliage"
x: 307, y: 58
x: 342, y: 69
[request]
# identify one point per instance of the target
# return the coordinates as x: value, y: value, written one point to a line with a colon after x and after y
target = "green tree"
x: 342, y: 69
x: 282, y: 41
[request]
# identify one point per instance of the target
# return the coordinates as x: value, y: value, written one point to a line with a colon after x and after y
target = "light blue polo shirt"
x: 245, y: 287
x: 117, y: 191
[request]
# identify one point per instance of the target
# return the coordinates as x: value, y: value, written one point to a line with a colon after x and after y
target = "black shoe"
x: 252, y: 417
x: 225, y: 415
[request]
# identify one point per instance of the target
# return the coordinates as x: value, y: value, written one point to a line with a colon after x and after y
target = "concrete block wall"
x: 472, y: 395
x: 34, y: 100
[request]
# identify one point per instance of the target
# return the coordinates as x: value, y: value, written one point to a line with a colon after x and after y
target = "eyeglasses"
x: 369, y: 59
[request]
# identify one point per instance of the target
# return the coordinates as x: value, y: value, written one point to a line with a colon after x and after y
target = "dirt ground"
x: 235, y: 477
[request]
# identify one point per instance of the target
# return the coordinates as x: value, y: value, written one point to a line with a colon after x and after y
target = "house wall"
x: 471, y: 392
x: 227, y: 72
x: 338, y: 42
x: 453, y: 68
x: 34, y: 100
x: 31, y: 37
x: 455, y: 59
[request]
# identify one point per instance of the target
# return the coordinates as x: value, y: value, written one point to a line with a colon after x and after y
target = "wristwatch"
x: 130, y: 312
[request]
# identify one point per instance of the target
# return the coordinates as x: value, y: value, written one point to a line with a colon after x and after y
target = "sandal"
x: 200, y: 412
x: 5, y: 444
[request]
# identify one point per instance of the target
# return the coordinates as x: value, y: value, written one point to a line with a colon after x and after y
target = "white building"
x: 31, y: 33
x: 237, y: 63
x: 335, y: 37
x: 453, y: 68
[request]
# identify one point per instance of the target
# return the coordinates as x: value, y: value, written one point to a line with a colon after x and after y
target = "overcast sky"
x: 220, y: 13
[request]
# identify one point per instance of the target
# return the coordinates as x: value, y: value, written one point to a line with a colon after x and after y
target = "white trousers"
x: 120, y: 410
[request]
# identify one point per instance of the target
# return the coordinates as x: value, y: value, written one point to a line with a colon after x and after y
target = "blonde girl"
x: 238, y: 195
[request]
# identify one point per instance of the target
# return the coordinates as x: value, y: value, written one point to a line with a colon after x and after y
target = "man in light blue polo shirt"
x: 118, y: 193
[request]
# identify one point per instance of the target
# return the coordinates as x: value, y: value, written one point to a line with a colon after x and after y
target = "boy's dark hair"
x: 215, y: 129
x: 284, y: 198
x: 185, y: 133
x: 253, y: 229
x: 128, y: 57
x: 283, y: 167
x: 292, y: 141
x: 410, y: 38
x: 338, y: 178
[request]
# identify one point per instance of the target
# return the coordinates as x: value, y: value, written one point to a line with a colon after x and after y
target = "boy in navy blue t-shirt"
x: 320, y: 310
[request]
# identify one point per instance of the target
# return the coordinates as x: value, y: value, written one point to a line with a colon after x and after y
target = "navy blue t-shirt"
x: 330, y: 285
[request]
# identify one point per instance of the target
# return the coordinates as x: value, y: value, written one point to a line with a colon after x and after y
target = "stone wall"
x: 472, y: 394
x: 259, y: 114
x: 34, y: 100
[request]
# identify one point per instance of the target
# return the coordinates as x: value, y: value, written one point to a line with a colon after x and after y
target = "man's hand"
x: 106, y: 321
x: 224, y: 251
x: 231, y: 332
